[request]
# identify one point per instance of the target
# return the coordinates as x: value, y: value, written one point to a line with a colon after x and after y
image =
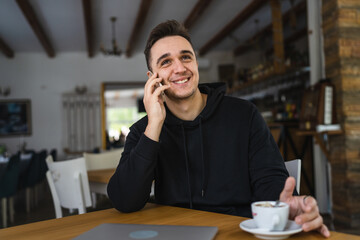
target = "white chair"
x: 294, y: 169
x: 69, y: 184
x: 104, y: 160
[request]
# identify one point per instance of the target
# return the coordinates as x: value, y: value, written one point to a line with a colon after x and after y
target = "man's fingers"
x: 307, y: 216
x: 150, y: 78
x: 313, y: 225
x: 158, y: 91
x: 324, y: 231
x: 308, y: 203
x: 151, y: 84
x: 288, y: 190
x: 310, y: 218
x: 147, y: 87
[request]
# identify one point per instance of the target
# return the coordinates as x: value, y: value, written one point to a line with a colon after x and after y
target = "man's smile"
x: 180, y: 80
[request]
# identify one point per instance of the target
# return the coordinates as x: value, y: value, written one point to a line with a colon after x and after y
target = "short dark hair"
x: 164, y: 29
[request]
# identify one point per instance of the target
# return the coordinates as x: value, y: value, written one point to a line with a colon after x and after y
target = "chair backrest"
x: 104, y: 160
x: 69, y: 183
x: 55, y: 196
x: 53, y: 153
x: 9, y: 180
x: 30, y: 175
x: 294, y: 169
x: 42, y: 165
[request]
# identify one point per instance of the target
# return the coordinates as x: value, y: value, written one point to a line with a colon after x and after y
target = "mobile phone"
x: 159, y: 84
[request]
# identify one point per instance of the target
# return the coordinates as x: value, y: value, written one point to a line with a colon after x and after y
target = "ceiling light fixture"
x: 115, y: 51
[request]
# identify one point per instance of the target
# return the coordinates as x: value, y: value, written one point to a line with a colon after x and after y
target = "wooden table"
x: 98, y: 179
x: 101, y: 175
x: 70, y: 227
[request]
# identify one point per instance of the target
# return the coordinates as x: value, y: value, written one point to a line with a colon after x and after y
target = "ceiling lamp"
x: 115, y: 51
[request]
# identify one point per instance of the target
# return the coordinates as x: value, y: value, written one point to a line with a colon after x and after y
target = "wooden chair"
x: 69, y: 184
x: 294, y: 169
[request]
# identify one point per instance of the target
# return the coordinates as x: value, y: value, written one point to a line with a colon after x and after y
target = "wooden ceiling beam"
x: 196, y: 12
x: 298, y: 9
x: 140, y: 19
x: 88, y: 27
x: 278, y: 36
x: 35, y: 24
x: 242, y: 48
x: 232, y: 25
x: 9, y: 53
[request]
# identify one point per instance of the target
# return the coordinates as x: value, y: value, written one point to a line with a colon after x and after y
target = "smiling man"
x: 205, y: 150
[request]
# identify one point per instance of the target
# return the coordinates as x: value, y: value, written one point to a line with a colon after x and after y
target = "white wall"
x: 35, y: 76
x: 216, y: 58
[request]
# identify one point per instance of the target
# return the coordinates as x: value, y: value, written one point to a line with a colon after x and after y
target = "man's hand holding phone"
x: 154, y: 105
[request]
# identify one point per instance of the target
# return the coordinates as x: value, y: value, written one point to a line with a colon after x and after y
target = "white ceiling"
x: 63, y: 22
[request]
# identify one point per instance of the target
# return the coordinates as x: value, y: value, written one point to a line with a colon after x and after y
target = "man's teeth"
x: 182, y: 81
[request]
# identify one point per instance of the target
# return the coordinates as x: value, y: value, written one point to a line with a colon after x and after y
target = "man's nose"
x: 179, y: 67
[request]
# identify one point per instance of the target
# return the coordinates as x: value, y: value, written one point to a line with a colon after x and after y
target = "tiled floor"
x: 45, y: 210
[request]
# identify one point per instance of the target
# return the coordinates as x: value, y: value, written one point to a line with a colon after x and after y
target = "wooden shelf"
x: 271, y: 79
x: 319, y: 138
x: 313, y: 132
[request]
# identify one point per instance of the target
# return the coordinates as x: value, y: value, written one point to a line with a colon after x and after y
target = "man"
x: 204, y: 150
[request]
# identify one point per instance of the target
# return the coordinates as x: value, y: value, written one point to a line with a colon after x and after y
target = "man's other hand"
x: 303, y: 209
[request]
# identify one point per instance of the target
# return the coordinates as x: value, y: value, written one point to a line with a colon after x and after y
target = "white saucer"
x: 291, y: 228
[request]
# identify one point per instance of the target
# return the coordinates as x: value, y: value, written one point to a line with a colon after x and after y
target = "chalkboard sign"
x: 15, y: 117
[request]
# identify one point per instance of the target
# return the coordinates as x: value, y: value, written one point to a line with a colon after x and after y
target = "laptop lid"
x: 152, y: 232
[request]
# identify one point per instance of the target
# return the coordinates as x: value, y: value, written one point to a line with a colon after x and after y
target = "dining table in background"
x: 73, y: 226
x: 98, y: 180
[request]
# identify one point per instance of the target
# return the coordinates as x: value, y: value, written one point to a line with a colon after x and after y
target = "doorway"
x: 121, y: 106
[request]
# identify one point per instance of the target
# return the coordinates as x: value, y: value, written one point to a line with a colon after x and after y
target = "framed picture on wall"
x: 15, y: 117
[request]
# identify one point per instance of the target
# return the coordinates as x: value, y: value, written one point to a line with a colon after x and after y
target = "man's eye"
x: 165, y: 62
x: 186, y: 57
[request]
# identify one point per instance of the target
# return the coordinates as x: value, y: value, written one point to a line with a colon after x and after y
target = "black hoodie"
x: 221, y: 162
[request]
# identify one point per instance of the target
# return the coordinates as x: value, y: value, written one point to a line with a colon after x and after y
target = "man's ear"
x: 149, y: 74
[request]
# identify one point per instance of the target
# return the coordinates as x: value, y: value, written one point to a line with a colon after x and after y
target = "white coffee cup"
x: 269, y: 217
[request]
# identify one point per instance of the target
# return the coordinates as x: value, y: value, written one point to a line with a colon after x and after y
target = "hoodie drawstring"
x: 203, y: 184
x: 187, y: 166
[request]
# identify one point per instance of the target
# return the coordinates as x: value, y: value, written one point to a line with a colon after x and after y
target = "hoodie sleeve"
x: 129, y: 188
x: 266, y: 165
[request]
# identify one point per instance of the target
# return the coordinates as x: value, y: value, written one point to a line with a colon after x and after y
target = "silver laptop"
x: 152, y: 232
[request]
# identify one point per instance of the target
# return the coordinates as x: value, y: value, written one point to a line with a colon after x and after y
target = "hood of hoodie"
x: 215, y: 92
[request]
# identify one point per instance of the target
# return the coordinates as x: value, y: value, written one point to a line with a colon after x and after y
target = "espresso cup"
x: 270, y: 217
